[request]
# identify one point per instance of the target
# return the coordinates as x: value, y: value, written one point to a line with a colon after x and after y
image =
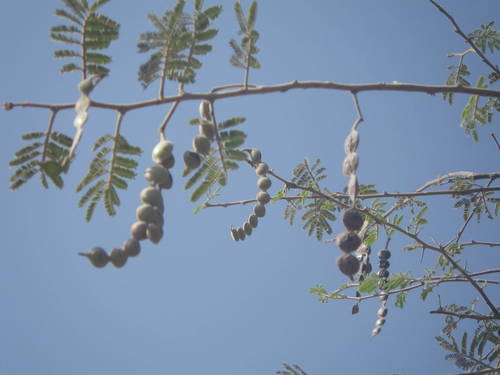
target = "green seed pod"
x: 235, y: 235
x: 353, y: 219
x: 247, y: 228
x: 97, y: 256
x: 204, y: 109
x: 259, y: 210
x: 253, y: 220
x: 348, y: 264
x: 201, y: 144
x: 152, y: 196
x: 87, y: 85
x: 147, y: 213
x: 154, y: 233
x: 162, y: 151
x: 263, y: 183
x: 263, y: 197
x: 207, y: 130
x: 168, y: 162
x: 255, y: 156
x: 138, y: 230
x: 351, y: 163
x: 241, y: 234
x: 351, y: 142
x: 132, y: 247
x: 118, y: 257
x: 262, y: 169
x: 157, y: 175
x: 167, y: 184
x: 348, y: 241
x: 192, y: 160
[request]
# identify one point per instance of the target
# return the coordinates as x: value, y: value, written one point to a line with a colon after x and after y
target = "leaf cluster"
x: 244, y: 52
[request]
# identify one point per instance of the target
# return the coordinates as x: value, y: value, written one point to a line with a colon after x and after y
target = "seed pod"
x: 97, y: 256
x: 355, y: 309
x: 192, y: 160
x: 87, y: 85
x: 132, y: 247
x: 383, y: 296
x: 348, y: 241
x: 247, y: 228
x: 384, y: 264
x: 351, y: 142
x: 153, y: 197
x: 201, y: 144
x: 253, y: 220
x: 118, y: 257
x: 384, y: 254
x: 383, y: 273
x: 352, y: 187
x: 167, y: 184
x: 154, y: 233
x: 259, y: 210
x: 350, y: 164
x: 263, y: 183
x: 207, y: 130
x: 348, y: 264
x: 157, y: 175
x: 380, y: 322
x: 382, y: 312
x: 262, y: 169
x: 168, y: 162
x: 367, y: 268
x: 241, y: 234
x: 147, y: 213
x: 353, y: 220
x: 162, y: 151
x: 138, y: 230
x: 363, y: 249
x: 263, y: 197
x: 235, y: 235
x: 204, y: 109
x: 255, y: 156
x: 375, y: 331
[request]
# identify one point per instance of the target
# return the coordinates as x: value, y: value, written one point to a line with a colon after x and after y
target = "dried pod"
x: 355, y: 309
x: 351, y: 142
x: 87, y: 85
x: 207, y: 130
x: 263, y: 183
x: 366, y: 268
x: 253, y: 220
x: 162, y: 151
x: 201, y: 144
x: 382, y: 312
x: 247, y: 228
x: 138, y: 230
x: 348, y: 264
x: 154, y: 233
x: 192, y: 160
x: 132, y: 247
x: 157, y: 175
x: 262, y: 169
x: 353, y: 219
x: 152, y: 196
x: 167, y: 184
x: 383, y: 273
x: 383, y: 296
x: 348, y: 241
x: 168, y: 162
x: 149, y: 214
x: 384, y: 254
x: 259, y: 210
x: 241, y: 234
x: 364, y: 249
x: 118, y: 257
x: 352, y: 187
x: 255, y: 156
x: 97, y: 256
x: 350, y: 165
x: 235, y: 235
x: 263, y: 197
x: 380, y: 322
x: 204, y: 109
x: 375, y: 331
x: 384, y: 264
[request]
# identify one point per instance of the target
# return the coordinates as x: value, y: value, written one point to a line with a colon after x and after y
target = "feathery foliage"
x: 107, y: 174
x: 88, y: 30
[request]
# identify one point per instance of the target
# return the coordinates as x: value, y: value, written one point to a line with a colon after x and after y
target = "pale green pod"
x: 138, y: 230
x: 97, y: 256
x: 162, y: 151
x: 118, y: 257
x: 149, y: 214
x: 247, y: 228
x: 255, y: 156
x: 259, y: 210
x: 201, y: 144
x: 157, y: 175
x: 154, y: 233
x: 168, y: 162
x: 264, y: 183
x: 192, y: 160
x: 263, y: 197
x: 262, y: 169
x: 167, y: 184
x: 152, y: 196
x: 207, y: 130
x: 253, y: 220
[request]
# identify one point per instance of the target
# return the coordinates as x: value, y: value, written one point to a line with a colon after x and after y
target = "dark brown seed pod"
x: 353, y: 219
x: 384, y: 254
x: 154, y: 233
x: 253, y: 220
x: 383, y: 273
x: 149, y: 214
x: 262, y: 169
x: 97, y: 256
x: 264, y: 183
x: 348, y: 241
x: 204, y: 109
x: 259, y: 210
x: 351, y: 163
x: 348, y: 264
x: 168, y: 162
x: 382, y: 312
x: 157, y: 174
x: 367, y: 268
x: 201, y: 144
x: 247, y: 228
x: 351, y: 142
x: 132, y: 247
x: 384, y: 264
x: 167, y: 184
x: 235, y: 235
x: 192, y: 160
x: 263, y: 197
x: 162, y: 151
x: 118, y: 257
x: 241, y: 234
x: 207, y: 130
x: 152, y: 196
x: 255, y: 156
x: 138, y: 230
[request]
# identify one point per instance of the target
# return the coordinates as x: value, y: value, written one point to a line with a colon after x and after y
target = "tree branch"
x: 462, y: 316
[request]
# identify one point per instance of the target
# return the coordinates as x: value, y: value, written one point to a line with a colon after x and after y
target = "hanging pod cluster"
x: 263, y: 197
x: 383, y: 274
x: 351, y: 163
x: 349, y: 242
x: 149, y: 214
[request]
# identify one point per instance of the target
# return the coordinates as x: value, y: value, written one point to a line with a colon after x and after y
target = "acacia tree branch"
x: 459, y: 31
x: 258, y: 90
x: 462, y: 316
x: 472, y: 243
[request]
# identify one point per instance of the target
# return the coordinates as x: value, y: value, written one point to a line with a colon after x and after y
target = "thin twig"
x: 53, y: 114
x: 462, y: 316
x: 166, y: 119
x: 360, y: 117
x: 472, y: 243
x: 217, y: 137
x: 496, y: 140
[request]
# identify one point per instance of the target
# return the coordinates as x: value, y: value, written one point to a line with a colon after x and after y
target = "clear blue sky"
x: 198, y: 302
